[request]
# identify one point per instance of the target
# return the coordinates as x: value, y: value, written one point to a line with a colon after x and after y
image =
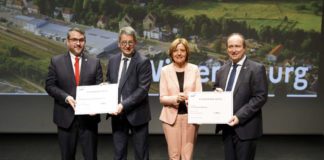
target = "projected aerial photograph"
x: 283, y: 35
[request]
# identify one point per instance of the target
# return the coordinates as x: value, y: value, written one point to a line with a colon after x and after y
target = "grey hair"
x: 128, y: 31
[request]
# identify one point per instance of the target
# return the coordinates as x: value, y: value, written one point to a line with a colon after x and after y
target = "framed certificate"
x: 96, y: 99
x: 210, y: 107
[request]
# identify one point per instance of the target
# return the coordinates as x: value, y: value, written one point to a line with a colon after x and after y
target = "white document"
x: 210, y: 107
x: 96, y: 99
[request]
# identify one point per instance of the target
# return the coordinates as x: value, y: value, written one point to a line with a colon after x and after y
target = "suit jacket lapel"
x: 84, y: 64
x: 115, y: 64
x: 69, y: 68
x: 187, y: 75
x: 173, y: 76
x: 224, y: 78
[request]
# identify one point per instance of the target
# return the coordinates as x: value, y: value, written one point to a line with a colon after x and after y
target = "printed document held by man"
x: 210, y: 107
x: 96, y: 99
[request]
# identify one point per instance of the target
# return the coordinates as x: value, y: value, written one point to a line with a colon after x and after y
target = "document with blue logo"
x: 210, y: 107
x: 96, y: 99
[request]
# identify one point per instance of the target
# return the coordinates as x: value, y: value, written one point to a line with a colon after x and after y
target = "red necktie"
x: 77, y: 71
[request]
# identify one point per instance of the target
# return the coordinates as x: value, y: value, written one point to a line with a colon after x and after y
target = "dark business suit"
x: 60, y: 83
x: 136, y: 110
x: 250, y: 94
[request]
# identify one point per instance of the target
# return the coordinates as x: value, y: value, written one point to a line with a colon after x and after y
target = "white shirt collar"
x: 240, y: 63
x: 122, y: 57
x: 73, y: 56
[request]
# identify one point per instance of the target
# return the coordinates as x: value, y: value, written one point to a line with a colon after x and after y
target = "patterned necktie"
x: 122, y: 77
x: 231, y: 78
x: 77, y: 71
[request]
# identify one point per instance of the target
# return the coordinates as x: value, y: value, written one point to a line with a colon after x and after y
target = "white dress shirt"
x: 238, y: 70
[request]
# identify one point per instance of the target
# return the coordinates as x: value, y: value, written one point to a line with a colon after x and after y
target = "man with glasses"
x: 65, y: 73
x: 132, y: 71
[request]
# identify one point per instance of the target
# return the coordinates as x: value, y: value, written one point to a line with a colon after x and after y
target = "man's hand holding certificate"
x: 210, y: 107
x: 96, y: 99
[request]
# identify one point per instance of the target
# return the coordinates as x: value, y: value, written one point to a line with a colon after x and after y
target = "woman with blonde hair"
x: 177, y: 80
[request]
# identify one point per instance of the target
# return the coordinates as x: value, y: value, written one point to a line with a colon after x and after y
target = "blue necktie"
x: 231, y: 78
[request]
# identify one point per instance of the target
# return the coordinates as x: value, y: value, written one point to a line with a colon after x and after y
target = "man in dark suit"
x: 132, y: 71
x: 248, y: 82
x: 66, y: 72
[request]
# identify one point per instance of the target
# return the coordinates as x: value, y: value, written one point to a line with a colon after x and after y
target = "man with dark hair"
x: 132, y: 71
x: 65, y: 73
x: 248, y: 82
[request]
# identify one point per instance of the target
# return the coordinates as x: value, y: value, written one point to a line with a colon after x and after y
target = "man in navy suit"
x: 132, y: 71
x: 65, y: 73
x: 248, y: 82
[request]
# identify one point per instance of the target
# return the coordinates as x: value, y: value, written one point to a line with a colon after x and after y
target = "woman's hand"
x: 182, y: 97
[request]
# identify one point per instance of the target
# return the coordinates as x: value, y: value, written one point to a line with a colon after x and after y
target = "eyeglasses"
x: 75, y: 40
x: 124, y: 43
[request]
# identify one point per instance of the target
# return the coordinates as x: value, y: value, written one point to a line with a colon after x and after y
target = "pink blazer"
x: 169, y: 89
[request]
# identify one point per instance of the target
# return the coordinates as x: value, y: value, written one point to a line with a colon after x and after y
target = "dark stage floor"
x: 209, y: 147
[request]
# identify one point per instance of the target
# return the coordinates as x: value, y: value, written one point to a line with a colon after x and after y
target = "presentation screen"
x: 283, y: 35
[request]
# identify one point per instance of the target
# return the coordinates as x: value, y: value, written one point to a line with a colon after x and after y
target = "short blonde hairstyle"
x: 174, y: 45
